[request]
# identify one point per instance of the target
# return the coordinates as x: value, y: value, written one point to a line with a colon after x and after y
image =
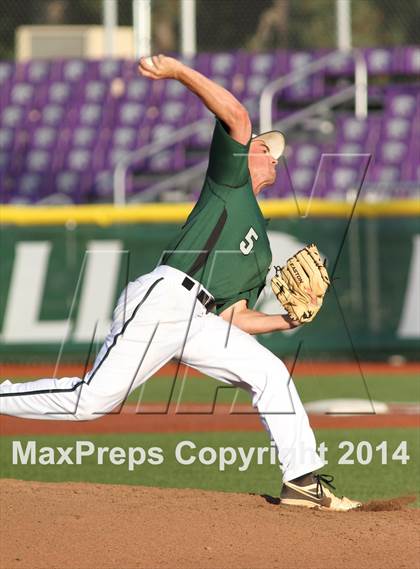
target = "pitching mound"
x: 86, y: 526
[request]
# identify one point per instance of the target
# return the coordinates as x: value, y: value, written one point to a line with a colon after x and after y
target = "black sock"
x: 304, y: 480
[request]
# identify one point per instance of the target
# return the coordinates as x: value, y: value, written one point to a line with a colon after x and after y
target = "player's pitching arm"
x: 254, y: 322
x: 216, y: 98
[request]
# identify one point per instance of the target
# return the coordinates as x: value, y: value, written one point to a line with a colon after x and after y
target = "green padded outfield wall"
x: 58, y: 285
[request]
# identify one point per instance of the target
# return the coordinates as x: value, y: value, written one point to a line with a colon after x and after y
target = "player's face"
x: 262, y: 165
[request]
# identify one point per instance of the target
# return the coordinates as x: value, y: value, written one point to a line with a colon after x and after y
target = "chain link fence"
x: 231, y: 24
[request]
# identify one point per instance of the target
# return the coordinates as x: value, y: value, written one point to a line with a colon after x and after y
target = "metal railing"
x: 358, y: 91
x: 180, y: 179
x: 122, y: 167
x: 320, y: 106
x: 276, y: 86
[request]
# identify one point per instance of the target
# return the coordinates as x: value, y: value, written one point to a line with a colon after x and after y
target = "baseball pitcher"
x: 197, y: 304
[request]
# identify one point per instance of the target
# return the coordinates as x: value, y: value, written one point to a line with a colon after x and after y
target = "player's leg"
x: 229, y: 354
x: 149, y: 326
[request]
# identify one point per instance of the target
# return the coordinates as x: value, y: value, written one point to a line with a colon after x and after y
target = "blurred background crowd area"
x: 231, y: 24
x: 83, y: 127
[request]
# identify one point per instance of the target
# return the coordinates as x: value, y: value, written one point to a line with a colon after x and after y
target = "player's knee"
x: 88, y: 410
x: 93, y: 404
x: 275, y: 372
x: 87, y: 416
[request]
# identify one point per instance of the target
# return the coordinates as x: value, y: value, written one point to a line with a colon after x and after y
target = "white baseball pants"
x: 157, y: 319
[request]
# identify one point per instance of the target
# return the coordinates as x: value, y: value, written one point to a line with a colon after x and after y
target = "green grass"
x: 401, y: 388
x: 387, y: 388
x: 362, y: 481
x: 374, y: 480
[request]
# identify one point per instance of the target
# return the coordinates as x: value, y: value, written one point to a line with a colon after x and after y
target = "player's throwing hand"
x: 159, y: 67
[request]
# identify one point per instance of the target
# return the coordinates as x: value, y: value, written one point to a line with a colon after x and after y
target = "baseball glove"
x: 301, y: 284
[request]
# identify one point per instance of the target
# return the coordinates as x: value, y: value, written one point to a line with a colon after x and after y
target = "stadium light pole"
x: 109, y: 22
x: 343, y: 15
x: 142, y: 24
x: 188, y: 28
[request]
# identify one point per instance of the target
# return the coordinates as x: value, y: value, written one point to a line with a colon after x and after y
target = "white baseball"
x: 149, y: 61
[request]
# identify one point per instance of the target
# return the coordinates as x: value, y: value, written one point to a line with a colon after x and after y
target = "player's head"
x: 264, y: 152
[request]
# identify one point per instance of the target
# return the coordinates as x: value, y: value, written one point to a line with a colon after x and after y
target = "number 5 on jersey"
x: 247, y: 244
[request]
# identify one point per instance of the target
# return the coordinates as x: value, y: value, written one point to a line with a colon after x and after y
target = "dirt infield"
x: 193, y: 418
x: 8, y: 371
x: 85, y: 526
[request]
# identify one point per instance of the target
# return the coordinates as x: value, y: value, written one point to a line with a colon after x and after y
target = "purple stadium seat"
x: 172, y: 112
x: 306, y: 155
x: 407, y: 60
x: 172, y: 160
x: 129, y: 69
x: 58, y: 93
x: 115, y: 155
x: 257, y: 70
x: 69, y: 186
x: 102, y: 185
x: 12, y: 116
x: 162, y: 130
x: 5, y: 157
x: 38, y: 160
x: 410, y: 164
x: 29, y: 184
x: 44, y: 137
x: 137, y: 90
x: 94, y: 91
x: 411, y: 57
x: 88, y: 115
x: 396, y: 128
x: 130, y: 113
x: 105, y: 69
x: 342, y: 179
x: 342, y: 65
x: 124, y: 137
x: 6, y: 72
x: 381, y: 173
x: 67, y: 123
x: 53, y: 115
x: 252, y: 106
x: 203, y: 136
x: 22, y: 94
x: 67, y: 182
x: 6, y: 184
x: 70, y: 70
x: 36, y: 71
x: 380, y: 61
x: 174, y: 90
x: 254, y: 85
x: 78, y: 160
x: 222, y: 64
x: 353, y: 129
x: 220, y: 67
x: 302, y: 180
x: 351, y: 154
x: 392, y: 152
x: 261, y: 64
x: 400, y: 103
x: 6, y: 139
x: 309, y: 87
x: 83, y: 136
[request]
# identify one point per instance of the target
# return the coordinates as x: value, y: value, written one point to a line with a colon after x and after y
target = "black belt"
x: 206, y: 300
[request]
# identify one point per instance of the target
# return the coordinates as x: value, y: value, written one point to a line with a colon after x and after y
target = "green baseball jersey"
x: 224, y: 244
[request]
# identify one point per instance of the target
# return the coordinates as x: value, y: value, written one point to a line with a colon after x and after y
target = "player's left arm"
x: 254, y: 322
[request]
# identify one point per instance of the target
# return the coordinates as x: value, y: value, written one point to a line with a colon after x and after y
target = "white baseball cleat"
x: 316, y: 495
